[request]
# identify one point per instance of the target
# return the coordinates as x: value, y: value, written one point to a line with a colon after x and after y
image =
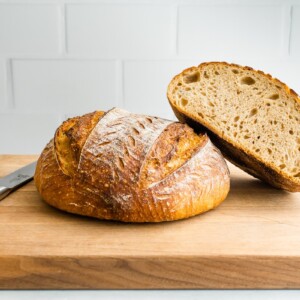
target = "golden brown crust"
x: 112, y: 182
x: 176, y: 144
x: 70, y: 137
x: 232, y: 151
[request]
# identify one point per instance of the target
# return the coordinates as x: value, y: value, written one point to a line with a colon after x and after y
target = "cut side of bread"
x: 252, y: 117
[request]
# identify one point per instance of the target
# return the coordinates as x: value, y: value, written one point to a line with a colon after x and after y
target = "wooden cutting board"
x: 251, y: 241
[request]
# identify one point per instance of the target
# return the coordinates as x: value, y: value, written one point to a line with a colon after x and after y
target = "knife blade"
x: 14, y: 180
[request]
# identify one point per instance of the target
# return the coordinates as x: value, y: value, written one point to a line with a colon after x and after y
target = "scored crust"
x: 234, y: 151
x: 134, y: 168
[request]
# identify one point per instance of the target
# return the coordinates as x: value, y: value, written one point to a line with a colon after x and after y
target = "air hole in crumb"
x: 235, y: 134
x: 184, y: 102
x: 297, y: 174
x: 255, y: 121
x: 291, y: 132
x: 141, y: 125
x: 131, y: 140
x: 274, y: 97
x: 187, y: 89
x: 269, y: 150
x: 246, y: 137
x: 211, y: 104
x: 238, y: 92
x: 247, y: 80
x: 200, y: 115
x: 203, y: 94
x: 149, y: 120
x: 257, y: 150
x: 236, y: 118
x: 135, y: 131
x: 217, y: 73
x: 235, y: 71
x: 279, y: 87
x: 253, y: 112
x: 104, y: 143
x: 205, y: 75
x: 282, y: 166
x: 179, y: 84
x: 192, y: 78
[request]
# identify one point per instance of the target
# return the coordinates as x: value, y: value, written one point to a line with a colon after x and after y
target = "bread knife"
x: 14, y: 180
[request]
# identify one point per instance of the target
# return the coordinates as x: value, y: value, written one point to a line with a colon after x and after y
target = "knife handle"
x: 4, y: 191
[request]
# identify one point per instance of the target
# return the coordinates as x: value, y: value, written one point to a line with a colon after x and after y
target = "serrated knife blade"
x: 14, y: 180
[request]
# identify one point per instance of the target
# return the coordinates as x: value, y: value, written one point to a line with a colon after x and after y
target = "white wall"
x: 63, y: 58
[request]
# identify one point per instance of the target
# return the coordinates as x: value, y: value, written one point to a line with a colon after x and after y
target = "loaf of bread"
x: 132, y: 168
x: 250, y: 116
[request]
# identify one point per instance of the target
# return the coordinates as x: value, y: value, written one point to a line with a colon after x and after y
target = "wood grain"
x: 251, y: 241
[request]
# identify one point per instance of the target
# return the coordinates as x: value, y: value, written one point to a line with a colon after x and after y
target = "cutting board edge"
x: 124, y: 272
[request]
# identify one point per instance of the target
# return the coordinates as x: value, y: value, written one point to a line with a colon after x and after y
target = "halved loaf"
x: 252, y: 117
x: 132, y: 168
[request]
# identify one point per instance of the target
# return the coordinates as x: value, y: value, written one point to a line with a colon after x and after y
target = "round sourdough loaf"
x: 132, y: 168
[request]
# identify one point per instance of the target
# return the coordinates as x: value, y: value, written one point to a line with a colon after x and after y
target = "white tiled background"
x: 63, y: 58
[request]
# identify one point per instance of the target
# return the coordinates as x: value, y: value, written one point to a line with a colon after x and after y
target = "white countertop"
x: 149, y: 295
